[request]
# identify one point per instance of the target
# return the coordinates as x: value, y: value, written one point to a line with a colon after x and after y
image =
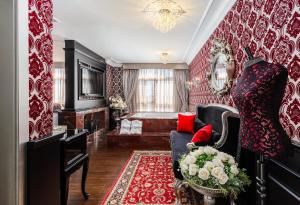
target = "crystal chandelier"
x: 165, y: 14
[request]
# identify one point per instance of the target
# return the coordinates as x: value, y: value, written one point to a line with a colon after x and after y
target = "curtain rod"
x: 175, y: 66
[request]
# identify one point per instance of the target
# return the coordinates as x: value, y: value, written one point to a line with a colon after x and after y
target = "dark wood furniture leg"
x: 85, y: 168
x: 73, y: 157
x: 65, y: 190
x: 261, y: 180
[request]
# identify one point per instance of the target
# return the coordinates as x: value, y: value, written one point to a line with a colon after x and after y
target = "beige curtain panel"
x: 130, y: 82
x: 180, y: 91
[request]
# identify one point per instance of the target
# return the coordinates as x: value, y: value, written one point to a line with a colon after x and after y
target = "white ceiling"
x: 119, y: 29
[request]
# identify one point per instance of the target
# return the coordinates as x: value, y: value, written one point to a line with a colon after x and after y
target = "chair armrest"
x: 191, y: 146
x: 225, y: 129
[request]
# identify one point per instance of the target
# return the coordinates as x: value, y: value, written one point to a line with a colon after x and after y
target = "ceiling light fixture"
x: 165, y: 14
x: 164, y: 57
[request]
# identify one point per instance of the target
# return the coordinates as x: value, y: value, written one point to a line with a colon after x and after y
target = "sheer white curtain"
x: 59, y: 86
x: 155, y: 90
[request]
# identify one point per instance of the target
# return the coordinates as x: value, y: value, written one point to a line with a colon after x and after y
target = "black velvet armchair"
x: 225, y: 121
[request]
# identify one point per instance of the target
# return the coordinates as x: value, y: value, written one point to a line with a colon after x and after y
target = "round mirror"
x: 222, y: 68
x: 219, y: 73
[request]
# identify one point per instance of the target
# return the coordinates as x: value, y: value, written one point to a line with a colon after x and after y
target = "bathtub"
x: 155, y: 115
x: 160, y: 122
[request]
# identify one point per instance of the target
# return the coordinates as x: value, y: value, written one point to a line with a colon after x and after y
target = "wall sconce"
x: 194, y: 83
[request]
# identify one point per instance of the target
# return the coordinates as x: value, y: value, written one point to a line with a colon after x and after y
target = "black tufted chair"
x: 225, y: 120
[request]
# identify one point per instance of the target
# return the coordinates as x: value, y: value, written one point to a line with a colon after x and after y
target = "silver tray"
x: 203, y: 190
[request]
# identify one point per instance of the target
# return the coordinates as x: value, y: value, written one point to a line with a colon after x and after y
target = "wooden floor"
x: 104, y: 167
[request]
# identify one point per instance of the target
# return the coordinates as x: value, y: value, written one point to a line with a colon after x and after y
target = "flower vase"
x: 209, y: 194
x: 117, y: 118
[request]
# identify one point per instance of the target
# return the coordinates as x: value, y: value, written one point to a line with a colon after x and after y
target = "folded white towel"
x: 125, y: 131
x: 126, y: 123
x: 136, y: 130
x: 131, y: 127
x: 136, y: 124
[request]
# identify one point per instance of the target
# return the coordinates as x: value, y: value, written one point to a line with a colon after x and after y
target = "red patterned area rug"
x: 147, y: 178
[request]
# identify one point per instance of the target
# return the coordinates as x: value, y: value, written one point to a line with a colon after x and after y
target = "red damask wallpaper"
x: 271, y: 28
x: 114, y: 81
x: 40, y: 63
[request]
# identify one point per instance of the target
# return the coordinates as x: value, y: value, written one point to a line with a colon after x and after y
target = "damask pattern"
x: 114, y: 81
x: 271, y: 29
x: 258, y: 95
x: 40, y: 63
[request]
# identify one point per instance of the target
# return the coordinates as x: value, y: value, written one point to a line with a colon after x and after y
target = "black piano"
x: 73, y: 156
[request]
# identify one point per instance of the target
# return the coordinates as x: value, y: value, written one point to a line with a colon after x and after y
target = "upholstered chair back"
x: 225, y: 120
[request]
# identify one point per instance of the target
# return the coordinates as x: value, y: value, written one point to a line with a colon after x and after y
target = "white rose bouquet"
x: 210, y: 168
x: 116, y: 102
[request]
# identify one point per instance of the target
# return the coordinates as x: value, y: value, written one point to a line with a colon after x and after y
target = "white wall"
x: 14, y: 107
x: 58, y: 50
x: 8, y: 104
x: 23, y: 98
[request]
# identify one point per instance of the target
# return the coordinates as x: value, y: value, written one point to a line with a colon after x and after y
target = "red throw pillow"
x: 203, y: 135
x: 186, y: 123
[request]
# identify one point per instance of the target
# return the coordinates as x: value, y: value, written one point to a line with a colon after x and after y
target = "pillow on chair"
x: 186, y: 123
x: 215, y: 137
x: 203, y: 135
x: 198, y: 124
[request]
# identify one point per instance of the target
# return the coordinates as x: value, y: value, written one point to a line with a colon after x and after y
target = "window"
x: 155, y: 90
x: 59, y: 86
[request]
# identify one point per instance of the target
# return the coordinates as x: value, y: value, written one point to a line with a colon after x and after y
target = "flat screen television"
x: 91, y: 81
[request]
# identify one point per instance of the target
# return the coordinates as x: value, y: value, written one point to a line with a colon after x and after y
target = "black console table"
x: 73, y: 157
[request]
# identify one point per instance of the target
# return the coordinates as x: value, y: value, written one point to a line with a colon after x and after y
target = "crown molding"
x: 196, y: 33
x: 114, y: 63
x: 214, y: 14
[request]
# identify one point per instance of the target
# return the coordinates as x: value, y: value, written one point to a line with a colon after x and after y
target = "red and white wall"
x: 40, y: 63
x: 271, y: 29
x: 114, y: 81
